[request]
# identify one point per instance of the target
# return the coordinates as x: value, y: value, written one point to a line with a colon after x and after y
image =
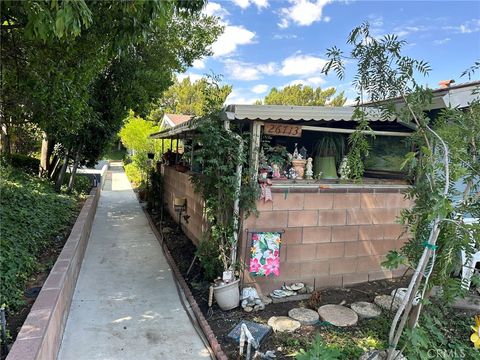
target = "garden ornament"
x: 246, y: 335
x: 475, y: 337
x: 309, y: 172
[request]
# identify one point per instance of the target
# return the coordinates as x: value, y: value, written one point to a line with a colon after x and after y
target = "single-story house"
x: 335, y: 232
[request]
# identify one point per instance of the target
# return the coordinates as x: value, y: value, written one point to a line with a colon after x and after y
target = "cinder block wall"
x: 178, y: 184
x: 335, y: 237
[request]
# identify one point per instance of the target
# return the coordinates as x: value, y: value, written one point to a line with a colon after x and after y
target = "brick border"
x: 207, y: 330
x: 41, y: 334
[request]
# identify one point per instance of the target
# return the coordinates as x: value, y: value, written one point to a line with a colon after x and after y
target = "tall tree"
x: 190, y: 98
x: 75, y: 68
x: 304, y: 95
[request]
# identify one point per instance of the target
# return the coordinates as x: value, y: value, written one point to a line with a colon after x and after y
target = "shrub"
x: 25, y: 163
x: 82, y: 186
x: 209, y: 256
x: 134, y: 174
x: 31, y: 214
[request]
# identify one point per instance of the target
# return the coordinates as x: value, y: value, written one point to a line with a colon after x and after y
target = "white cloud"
x: 239, y: 97
x: 300, y: 64
x: 215, y: 9
x: 260, y: 88
x: 193, y: 77
x: 314, y: 81
x: 284, y: 36
x: 232, y: 37
x: 199, y: 64
x: 239, y: 70
x: 441, y: 41
x: 303, y: 12
x: 468, y: 27
x: 260, y: 4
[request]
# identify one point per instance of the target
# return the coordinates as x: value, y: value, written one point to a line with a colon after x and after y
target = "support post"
x: 255, y: 148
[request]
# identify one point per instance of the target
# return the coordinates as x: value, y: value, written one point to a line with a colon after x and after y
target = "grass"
x: 115, y: 154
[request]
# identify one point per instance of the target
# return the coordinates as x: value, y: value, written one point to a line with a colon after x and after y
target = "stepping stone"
x: 385, y: 302
x: 283, y: 324
x: 366, y: 310
x: 259, y: 331
x: 338, y: 315
x: 380, y: 355
x: 305, y: 316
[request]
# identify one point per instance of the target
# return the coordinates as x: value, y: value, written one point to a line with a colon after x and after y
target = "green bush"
x: 31, y: 214
x: 134, y: 174
x: 23, y: 162
x: 82, y: 186
x: 209, y: 256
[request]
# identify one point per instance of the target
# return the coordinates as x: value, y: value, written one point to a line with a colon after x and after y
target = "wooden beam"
x: 255, y: 137
x: 349, y: 131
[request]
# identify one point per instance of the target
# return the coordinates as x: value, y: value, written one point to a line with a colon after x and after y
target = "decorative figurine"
x: 309, y: 172
x: 303, y: 152
x: 276, y: 171
x: 295, y: 153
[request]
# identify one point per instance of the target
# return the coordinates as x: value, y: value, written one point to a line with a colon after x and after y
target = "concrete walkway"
x: 126, y: 304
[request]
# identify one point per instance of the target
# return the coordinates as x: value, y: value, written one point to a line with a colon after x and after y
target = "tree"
x: 304, y: 95
x: 187, y: 97
x: 447, y: 152
x: 75, y: 68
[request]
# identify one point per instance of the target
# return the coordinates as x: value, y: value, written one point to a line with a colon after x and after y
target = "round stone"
x: 381, y: 355
x: 366, y: 310
x: 338, y: 315
x: 387, y: 302
x: 283, y: 324
x: 305, y: 316
x: 248, y: 309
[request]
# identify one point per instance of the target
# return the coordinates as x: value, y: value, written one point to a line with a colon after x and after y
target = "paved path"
x: 125, y: 304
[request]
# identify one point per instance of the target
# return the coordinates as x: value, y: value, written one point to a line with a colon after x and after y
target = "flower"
x: 253, y: 250
x: 254, y: 265
x: 272, y: 266
x: 475, y: 337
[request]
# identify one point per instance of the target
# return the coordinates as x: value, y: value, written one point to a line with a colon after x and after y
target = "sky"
x: 274, y: 43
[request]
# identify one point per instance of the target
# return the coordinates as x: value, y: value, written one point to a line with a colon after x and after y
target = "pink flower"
x: 254, y: 265
x: 272, y: 266
x: 275, y: 253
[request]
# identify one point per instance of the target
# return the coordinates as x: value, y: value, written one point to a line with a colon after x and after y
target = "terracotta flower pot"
x: 299, y: 166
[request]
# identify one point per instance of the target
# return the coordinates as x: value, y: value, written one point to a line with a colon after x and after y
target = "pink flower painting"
x: 265, y: 254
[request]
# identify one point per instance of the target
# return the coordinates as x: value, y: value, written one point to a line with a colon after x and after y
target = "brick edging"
x: 41, y: 334
x: 207, y: 330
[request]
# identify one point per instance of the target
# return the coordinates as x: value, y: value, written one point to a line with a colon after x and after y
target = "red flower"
x: 254, y: 265
x: 272, y: 266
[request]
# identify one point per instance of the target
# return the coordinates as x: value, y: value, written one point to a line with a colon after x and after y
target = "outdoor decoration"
x: 309, y: 169
x: 475, y: 337
x: 338, y: 315
x: 283, y: 324
x: 251, y: 301
x: 265, y: 254
x: 299, y: 166
x: 303, y: 152
x: 276, y: 171
x: 328, y: 152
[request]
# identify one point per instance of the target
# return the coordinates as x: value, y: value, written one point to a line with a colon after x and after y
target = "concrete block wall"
x: 333, y: 237
x: 177, y: 184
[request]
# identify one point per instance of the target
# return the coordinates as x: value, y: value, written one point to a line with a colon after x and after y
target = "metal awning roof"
x: 277, y: 113
x: 298, y: 113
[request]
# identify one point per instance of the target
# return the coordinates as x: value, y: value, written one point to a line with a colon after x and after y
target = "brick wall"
x: 335, y: 237
x: 178, y: 184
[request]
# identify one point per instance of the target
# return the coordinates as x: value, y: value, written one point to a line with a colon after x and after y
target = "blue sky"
x: 273, y: 43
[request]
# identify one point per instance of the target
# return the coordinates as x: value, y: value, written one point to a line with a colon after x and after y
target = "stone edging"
x: 207, y: 330
x: 41, y: 334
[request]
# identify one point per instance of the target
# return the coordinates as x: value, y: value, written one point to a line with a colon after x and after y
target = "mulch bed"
x: 222, y: 322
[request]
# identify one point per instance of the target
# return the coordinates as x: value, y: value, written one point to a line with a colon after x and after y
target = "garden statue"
x: 296, y: 155
x: 303, y: 152
x: 309, y: 172
x: 276, y: 171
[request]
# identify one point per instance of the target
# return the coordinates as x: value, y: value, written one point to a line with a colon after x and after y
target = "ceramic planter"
x: 227, y: 296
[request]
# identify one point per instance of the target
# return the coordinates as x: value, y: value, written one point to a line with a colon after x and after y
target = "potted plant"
x: 226, y: 289
x: 327, y: 153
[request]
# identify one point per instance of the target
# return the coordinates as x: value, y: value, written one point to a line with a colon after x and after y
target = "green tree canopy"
x: 304, y: 95
x: 135, y: 131
x: 190, y: 98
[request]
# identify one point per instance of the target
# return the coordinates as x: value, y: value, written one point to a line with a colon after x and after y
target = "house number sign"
x: 283, y: 130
